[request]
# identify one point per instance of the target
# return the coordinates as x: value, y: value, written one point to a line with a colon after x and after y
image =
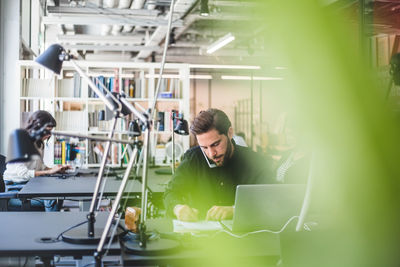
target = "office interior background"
x: 317, y: 73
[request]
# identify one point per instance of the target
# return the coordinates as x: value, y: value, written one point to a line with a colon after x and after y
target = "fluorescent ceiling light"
x: 221, y: 42
x: 207, y: 66
x: 201, y: 77
x: 176, y: 76
x: 280, y: 68
x: 248, y: 78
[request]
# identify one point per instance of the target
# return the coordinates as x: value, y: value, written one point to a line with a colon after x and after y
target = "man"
x: 204, y: 184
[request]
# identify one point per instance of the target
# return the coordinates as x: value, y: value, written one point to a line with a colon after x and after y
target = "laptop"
x: 265, y: 207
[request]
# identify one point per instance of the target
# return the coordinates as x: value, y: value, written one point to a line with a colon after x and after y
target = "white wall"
x: 225, y: 94
x: 9, y: 54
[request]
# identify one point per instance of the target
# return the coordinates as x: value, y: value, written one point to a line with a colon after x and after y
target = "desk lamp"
x: 20, y: 147
x: 143, y: 245
x: 53, y: 59
x: 181, y: 128
x: 394, y: 73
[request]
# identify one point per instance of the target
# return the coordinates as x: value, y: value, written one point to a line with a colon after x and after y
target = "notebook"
x: 265, y: 207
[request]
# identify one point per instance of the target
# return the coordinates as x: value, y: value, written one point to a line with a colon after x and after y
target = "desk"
x: 219, y: 250
x: 20, y: 230
x: 80, y: 187
x: 71, y: 187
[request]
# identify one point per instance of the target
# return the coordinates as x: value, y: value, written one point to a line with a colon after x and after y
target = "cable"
x: 72, y: 227
x: 254, y: 232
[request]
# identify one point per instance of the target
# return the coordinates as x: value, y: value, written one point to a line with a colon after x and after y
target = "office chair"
x: 9, y: 193
x: 4, y: 196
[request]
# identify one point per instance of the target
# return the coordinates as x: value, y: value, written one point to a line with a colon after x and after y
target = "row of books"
x: 69, y: 87
x: 101, y: 82
x: 97, y: 150
x: 72, y: 120
x: 37, y: 87
x: 69, y: 152
x: 134, y: 88
x: 169, y: 88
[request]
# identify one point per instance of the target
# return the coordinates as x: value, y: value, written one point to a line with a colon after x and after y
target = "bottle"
x: 132, y: 88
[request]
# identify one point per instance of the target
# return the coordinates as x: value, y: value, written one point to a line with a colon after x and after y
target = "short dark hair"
x: 38, y: 119
x: 209, y: 120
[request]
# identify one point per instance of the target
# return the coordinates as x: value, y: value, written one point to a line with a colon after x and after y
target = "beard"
x: 225, y: 156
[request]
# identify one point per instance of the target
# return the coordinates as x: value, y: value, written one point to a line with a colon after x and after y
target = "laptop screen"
x: 266, y: 206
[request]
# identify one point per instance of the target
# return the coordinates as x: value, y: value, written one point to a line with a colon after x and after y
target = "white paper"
x: 180, y: 226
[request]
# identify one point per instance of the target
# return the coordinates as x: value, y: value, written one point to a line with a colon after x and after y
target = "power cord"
x: 72, y: 227
x: 254, y: 232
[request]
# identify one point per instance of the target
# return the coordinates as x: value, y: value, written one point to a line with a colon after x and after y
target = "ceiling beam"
x: 64, y: 10
x: 122, y: 48
x: 101, y: 19
x: 101, y: 39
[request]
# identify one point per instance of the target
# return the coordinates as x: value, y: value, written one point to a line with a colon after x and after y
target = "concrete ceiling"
x: 134, y: 30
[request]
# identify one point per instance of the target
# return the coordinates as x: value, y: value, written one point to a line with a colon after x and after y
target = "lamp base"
x: 79, y: 235
x: 159, y: 246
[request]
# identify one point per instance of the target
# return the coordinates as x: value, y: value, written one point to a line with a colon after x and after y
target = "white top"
x: 23, y: 171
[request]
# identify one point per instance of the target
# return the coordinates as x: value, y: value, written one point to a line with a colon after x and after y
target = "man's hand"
x: 217, y: 213
x: 186, y: 213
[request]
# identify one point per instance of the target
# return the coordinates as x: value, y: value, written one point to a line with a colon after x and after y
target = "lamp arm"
x: 131, y: 108
x: 116, y: 204
x: 100, y: 177
x: 92, y: 86
x: 166, y: 43
x: 111, y: 95
x: 142, y: 109
x: 144, y: 175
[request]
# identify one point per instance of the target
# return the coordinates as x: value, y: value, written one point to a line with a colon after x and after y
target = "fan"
x: 168, y: 152
x: 178, y: 151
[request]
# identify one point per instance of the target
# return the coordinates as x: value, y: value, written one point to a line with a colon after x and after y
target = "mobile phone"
x: 211, y: 165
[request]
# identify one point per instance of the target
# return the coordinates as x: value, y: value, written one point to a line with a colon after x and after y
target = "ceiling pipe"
x: 106, y: 29
x: 136, y: 4
x: 123, y: 4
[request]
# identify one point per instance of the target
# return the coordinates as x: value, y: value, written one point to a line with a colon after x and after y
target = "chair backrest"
x: 2, y: 169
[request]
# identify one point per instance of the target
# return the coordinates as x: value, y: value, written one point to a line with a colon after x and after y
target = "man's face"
x: 217, y: 147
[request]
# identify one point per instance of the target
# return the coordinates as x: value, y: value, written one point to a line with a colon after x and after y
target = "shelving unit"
x: 76, y: 109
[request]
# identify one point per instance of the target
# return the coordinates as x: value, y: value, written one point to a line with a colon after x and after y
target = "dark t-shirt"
x: 201, y: 187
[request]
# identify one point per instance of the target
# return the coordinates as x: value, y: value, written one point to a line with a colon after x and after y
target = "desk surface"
x: 77, y: 187
x: 211, y: 249
x: 20, y: 230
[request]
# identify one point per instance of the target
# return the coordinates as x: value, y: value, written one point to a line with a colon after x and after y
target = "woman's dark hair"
x: 37, y: 120
x: 209, y: 120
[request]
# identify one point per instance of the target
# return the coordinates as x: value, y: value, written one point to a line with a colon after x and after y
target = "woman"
x: 22, y: 172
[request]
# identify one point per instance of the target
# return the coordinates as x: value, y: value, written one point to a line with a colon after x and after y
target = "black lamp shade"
x: 20, y: 147
x: 395, y: 68
x: 134, y: 128
x: 182, y: 127
x: 51, y: 58
x: 204, y: 11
